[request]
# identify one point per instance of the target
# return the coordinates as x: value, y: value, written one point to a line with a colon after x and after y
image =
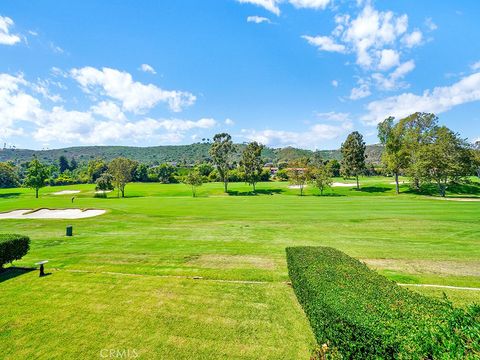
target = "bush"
x: 12, y: 247
x: 367, y: 316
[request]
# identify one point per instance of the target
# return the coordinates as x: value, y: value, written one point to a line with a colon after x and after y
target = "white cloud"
x: 229, y: 122
x: 325, y: 43
x: 475, y: 66
x: 109, y: 110
x: 312, y: 4
x: 270, y: 5
x: 310, y: 139
x: 147, y: 68
x: 258, y: 19
x: 6, y: 38
x: 388, y: 59
x: 335, y: 83
x: 413, y: 39
x: 134, y: 96
x: 334, y: 116
x: 361, y: 91
x: 430, y: 24
x: 103, y: 123
x: 392, y: 81
x: 438, y: 100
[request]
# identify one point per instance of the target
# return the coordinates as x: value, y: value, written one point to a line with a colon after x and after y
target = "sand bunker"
x: 66, y: 192
x: 296, y: 186
x: 102, y: 192
x: 457, y: 199
x: 343, y: 184
x: 51, y: 214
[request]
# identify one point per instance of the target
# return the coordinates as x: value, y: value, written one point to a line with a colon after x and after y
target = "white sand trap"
x: 339, y: 184
x: 457, y: 199
x: 102, y: 192
x: 51, y: 214
x: 296, y: 186
x: 399, y: 183
x: 66, y: 192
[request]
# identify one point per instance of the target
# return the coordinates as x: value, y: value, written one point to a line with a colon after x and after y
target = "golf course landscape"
x: 165, y: 275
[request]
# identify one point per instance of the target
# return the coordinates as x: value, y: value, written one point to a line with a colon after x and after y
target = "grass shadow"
x: 330, y: 195
x: 9, y: 195
x: 13, y: 271
x: 257, y: 192
x: 373, y: 189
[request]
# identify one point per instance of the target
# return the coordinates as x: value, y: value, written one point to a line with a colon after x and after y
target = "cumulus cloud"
x: 147, y: 68
x: 312, y: 4
x: 438, y: 100
x: 475, y: 66
x: 334, y: 116
x: 413, y: 39
x: 229, y: 122
x: 430, y: 24
x: 270, y: 5
x: 335, y: 83
x: 134, y: 96
x: 310, y: 139
x: 6, y: 37
x: 325, y: 43
x: 103, y: 122
x: 393, y: 80
x: 378, y: 40
x: 258, y: 19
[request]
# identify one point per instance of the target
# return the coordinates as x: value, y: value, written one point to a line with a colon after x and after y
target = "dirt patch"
x: 51, y: 214
x: 66, y: 192
x: 232, y: 262
x: 460, y: 268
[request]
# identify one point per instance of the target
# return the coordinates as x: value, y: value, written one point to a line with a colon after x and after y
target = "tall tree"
x: 104, y: 183
x: 194, y: 179
x: 395, y: 155
x: 298, y: 174
x: 63, y: 164
x: 96, y: 168
x: 221, y: 151
x: 320, y: 175
x: 8, y: 176
x: 353, y: 152
x: 36, y: 176
x: 121, y: 170
x: 418, y: 130
x: 446, y: 159
x: 252, y: 163
x: 476, y: 157
x: 73, y: 164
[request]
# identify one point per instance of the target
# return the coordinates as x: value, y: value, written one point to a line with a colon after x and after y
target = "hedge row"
x: 366, y: 316
x: 13, y: 247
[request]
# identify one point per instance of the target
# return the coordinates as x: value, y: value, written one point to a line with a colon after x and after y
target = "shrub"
x: 367, y: 316
x: 12, y: 247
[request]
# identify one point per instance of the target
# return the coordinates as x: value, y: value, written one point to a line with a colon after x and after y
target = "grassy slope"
x: 160, y: 232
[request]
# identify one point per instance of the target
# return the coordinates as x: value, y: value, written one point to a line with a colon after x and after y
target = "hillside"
x: 171, y: 153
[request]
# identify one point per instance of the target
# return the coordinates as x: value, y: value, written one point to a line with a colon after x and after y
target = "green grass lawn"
x: 125, y: 281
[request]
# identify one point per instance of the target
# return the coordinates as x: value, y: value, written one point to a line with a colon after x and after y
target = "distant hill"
x: 183, y: 154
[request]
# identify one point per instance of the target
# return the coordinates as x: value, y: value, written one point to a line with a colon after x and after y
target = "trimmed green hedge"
x: 13, y: 247
x: 366, y: 316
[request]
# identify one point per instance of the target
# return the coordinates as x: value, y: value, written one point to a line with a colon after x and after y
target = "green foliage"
x: 37, y: 175
x: 320, y: 176
x: 252, y: 163
x: 8, y: 176
x: 63, y: 164
x: 366, y: 316
x: 96, y: 168
x: 104, y: 182
x: 353, y: 152
x: 204, y: 169
x: 395, y: 156
x: 165, y: 173
x: 194, y: 179
x: 282, y: 175
x: 298, y: 174
x: 121, y: 170
x: 221, y: 152
x: 13, y: 247
x: 65, y: 178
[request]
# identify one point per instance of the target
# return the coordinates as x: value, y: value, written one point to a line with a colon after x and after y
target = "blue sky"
x: 283, y: 72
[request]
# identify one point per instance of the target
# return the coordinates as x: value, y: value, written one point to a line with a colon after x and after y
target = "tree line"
x: 415, y: 146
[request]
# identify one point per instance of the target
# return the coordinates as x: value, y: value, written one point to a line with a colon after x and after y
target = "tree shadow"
x: 373, y: 189
x: 329, y: 195
x: 257, y: 192
x: 455, y: 189
x: 9, y: 195
x: 13, y: 272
